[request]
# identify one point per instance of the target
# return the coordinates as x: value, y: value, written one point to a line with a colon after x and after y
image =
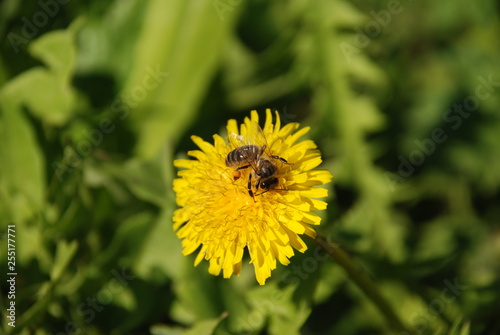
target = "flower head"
x: 224, y: 209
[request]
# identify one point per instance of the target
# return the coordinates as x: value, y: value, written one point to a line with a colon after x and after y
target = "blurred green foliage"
x: 97, y: 98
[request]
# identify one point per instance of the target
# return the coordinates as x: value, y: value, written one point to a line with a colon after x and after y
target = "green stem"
x: 364, y: 282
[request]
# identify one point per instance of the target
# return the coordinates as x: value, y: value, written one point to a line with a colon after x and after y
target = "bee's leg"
x: 281, y: 159
x: 243, y: 167
x: 274, y: 189
x: 268, y: 185
x: 237, y: 173
x: 256, y: 194
x: 250, y: 186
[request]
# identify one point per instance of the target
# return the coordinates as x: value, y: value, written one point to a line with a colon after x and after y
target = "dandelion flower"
x: 218, y: 216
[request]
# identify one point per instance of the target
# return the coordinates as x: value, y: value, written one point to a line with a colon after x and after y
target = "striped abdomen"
x: 246, y: 154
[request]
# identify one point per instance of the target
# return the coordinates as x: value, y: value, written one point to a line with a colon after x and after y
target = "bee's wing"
x: 256, y: 134
x: 253, y: 136
x: 237, y: 140
x: 260, y: 139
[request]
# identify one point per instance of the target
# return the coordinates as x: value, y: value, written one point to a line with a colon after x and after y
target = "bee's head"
x: 269, y: 183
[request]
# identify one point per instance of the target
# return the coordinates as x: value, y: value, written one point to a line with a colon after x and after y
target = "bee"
x: 255, y: 156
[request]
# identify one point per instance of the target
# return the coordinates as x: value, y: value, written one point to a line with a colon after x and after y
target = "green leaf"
x: 206, y: 327
x: 291, y: 316
x: 128, y: 238
x: 45, y: 94
x: 286, y: 308
x: 64, y: 255
x: 459, y: 327
x: 166, y: 330
x: 57, y: 50
x: 22, y: 167
x: 173, y: 76
x: 162, y: 254
x: 203, y: 327
x: 145, y: 179
x: 46, y: 91
x: 198, y: 293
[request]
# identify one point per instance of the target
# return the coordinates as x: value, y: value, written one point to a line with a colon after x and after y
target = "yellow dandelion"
x: 224, y: 209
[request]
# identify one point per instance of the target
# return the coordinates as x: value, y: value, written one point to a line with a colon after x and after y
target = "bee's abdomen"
x: 243, y: 155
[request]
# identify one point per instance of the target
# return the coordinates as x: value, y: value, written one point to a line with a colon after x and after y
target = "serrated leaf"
x: 57, y: 51
x: 46, y: 91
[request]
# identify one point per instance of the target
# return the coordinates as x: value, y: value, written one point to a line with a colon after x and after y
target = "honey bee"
x: 245, y: 155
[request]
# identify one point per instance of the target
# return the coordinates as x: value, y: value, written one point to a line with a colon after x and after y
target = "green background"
x: 98, y: 97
